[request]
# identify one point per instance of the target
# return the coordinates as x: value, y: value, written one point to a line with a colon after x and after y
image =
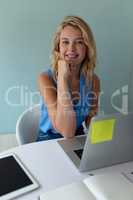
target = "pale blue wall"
x: 26, y: 29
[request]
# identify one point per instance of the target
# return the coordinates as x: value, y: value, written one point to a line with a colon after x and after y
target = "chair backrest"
x: 27, y: 125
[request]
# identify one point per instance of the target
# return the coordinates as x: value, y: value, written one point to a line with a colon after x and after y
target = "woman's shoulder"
x: 47, y: 72
x: 96, y: 77
x: 47, y: 76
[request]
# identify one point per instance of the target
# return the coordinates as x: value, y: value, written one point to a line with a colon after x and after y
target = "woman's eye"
x: 65, y: 42
x: 80, y: 42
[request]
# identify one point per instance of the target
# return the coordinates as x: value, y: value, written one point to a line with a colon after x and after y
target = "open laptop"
x: 109, y: 141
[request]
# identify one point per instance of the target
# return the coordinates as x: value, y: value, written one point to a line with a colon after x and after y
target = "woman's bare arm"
x: 59, y: 104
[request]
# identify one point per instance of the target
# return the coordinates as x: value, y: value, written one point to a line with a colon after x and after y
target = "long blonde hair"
x: 89, y: 62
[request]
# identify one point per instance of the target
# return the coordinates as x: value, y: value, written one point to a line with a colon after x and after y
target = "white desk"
x: 48, y: 163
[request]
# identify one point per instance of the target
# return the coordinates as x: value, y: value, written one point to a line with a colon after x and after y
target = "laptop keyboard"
x: 79, y: 152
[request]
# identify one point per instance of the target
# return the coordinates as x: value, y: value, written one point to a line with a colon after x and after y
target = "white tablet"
x: 15, y: 179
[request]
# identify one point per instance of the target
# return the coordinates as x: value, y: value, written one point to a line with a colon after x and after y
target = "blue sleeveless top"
x: 81, y: 108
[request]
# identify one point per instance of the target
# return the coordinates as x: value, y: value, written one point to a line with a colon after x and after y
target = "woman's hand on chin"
x: 64, y: 69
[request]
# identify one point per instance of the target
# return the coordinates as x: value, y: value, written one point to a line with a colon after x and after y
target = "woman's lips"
x: 71, y: 56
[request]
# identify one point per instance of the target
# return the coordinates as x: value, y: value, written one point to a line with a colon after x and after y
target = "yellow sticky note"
x: 102, y: 131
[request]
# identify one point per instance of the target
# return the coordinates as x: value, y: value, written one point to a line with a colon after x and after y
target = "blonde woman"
x: 70, y: 88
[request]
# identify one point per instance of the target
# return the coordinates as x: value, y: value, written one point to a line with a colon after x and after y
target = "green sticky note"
x: 102, y: 131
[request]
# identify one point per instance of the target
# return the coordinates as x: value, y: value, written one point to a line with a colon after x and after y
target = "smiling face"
x: 71, y: 45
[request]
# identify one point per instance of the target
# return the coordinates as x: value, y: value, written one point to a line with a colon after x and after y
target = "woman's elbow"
x: 67, y: 132
x: 67, y: 129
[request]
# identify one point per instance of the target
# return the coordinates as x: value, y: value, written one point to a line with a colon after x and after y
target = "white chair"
x: 27, y: 125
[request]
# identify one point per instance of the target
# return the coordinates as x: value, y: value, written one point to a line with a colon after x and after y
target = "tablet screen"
x: 14, y: 178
